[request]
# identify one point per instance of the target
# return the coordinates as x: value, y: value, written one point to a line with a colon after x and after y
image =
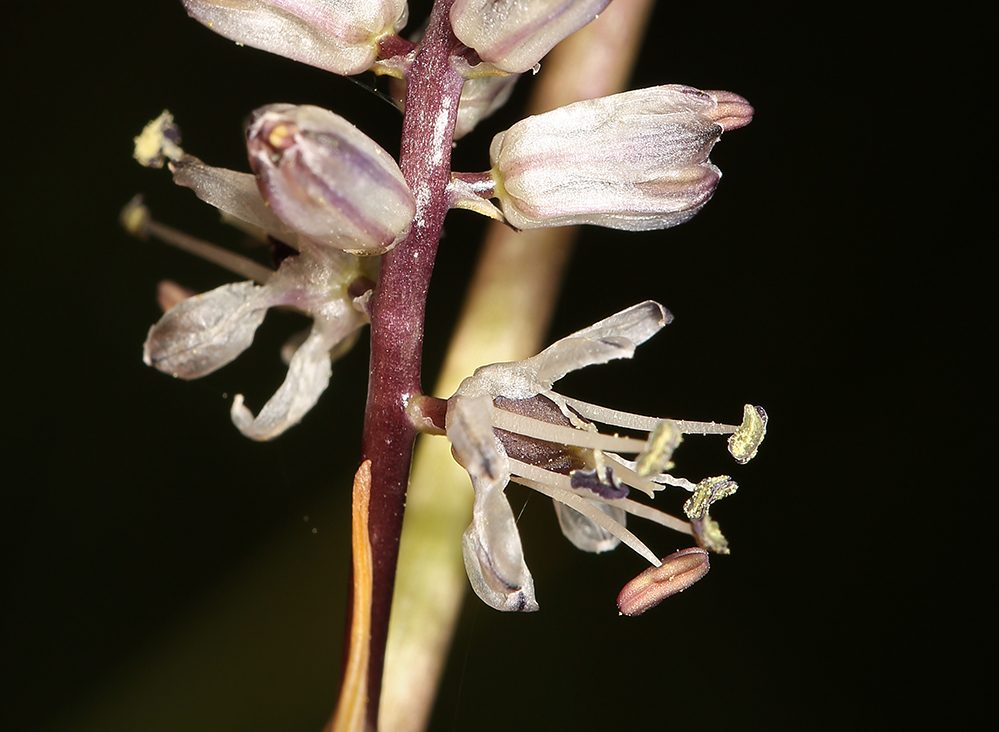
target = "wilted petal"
x: 678, y: 572
x: 337, y: 35
x: 470, y: 431
x: 514, y: 35
x: 232, y: 193
x: 611, y: 338
x: 583, y: 532
x: 327, y: 180
x: 494, y: 558
x: 480, y: 98
x: 634, y: 161
x: 308, y: 376
x: 205, y: 332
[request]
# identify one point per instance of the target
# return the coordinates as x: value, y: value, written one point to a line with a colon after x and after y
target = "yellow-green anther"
x: 708, y: 491
x: 655, y: 458
x: 709, y: 536
x: 746, y: 440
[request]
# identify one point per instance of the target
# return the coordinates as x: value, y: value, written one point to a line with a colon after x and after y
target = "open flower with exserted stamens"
x: 505, y: 423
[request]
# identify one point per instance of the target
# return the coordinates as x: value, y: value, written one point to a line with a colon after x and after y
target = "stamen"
x: 543, y: 482
x: 548, y: 432
x: 658, y: 481
x: 653, y: 514
x: 646, y: 424
x: 158, y: 142
x: 655, y: 458
x: 627, y: 475
x: 746, y: 441
x: 136, y: 219
x: 628, y: 505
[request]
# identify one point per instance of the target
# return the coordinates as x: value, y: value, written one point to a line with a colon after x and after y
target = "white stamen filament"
x: 667, y: 479
x: 652, y: 514
x: 646, y: 424
x: 544, y: 482
x: 626, y: 475
x: 530, y: 427
x: 231, y: 261
x: 136, y: 219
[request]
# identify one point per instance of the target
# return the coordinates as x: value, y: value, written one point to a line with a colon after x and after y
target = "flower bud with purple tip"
x: 678, y: 572
x: 327, y: 180
x: 513, y: 35
x: 633, y: 161
x: 341, y: 36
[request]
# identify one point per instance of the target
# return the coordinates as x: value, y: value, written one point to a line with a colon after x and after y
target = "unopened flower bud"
x: 634, y: 161
x: 327, y: 180
x: 731, y: 111
x: 514, y: 35
x: 678, y: 572
x: 337, y: 35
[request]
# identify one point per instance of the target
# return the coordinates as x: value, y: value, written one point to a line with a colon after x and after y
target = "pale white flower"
x: 505, y: 422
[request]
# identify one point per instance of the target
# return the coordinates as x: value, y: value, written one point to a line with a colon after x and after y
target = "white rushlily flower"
x: 513, y: 35
x: 202, y: 333
x: 341, y: 36
x: 634, y: 161
x: 505, y: 422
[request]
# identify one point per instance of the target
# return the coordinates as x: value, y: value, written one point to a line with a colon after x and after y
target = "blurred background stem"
x: 505, y: 317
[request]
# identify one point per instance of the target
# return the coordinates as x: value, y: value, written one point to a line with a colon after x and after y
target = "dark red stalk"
x: 397, y: 316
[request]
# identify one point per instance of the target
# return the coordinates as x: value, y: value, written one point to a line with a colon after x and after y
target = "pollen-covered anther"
x: 706, y: 530
x: 677, y: 572
x: 709, y: 490
x: 745, y: 442
x: 282, y: 136
x: 158, y: 142
x: 663, y: 440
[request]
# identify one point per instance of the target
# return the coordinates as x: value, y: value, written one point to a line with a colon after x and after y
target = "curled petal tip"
x: 678, y: 572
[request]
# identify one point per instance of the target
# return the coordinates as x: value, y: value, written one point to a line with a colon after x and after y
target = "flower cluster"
x: 333, y: 201
x: 505, y: 422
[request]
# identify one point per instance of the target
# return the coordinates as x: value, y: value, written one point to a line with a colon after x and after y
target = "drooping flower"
x: 341, y: 36
x: 635, y: 161
x: 505, y: 422
x: 513, y: 35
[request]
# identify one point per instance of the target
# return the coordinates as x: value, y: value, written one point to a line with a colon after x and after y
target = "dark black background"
x: 159, y: 569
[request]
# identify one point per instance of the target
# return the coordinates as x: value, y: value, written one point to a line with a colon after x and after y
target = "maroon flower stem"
x: 397, y: 315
